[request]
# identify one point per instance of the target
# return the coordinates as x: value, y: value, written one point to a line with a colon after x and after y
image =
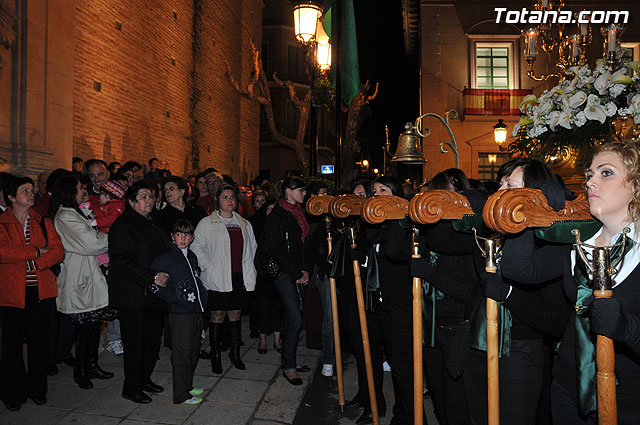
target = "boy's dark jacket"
x: 183, y: 294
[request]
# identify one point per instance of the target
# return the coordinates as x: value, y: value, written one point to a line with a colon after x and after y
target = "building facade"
x: 475, y: 66
x: 128, y: 80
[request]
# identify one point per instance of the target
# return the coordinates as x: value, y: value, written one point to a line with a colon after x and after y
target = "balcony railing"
x: 493, y: 101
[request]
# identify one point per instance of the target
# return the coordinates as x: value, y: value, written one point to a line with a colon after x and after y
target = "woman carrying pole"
x: 613, y: 189
x: 393, y: 257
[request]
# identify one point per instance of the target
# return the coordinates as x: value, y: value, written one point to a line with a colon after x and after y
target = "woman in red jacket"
x: 27, y: 294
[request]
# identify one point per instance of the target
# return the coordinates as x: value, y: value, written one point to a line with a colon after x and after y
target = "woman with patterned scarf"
x: 286, y: 239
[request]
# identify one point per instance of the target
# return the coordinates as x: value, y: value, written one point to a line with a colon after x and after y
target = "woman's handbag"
x: 266, y: 265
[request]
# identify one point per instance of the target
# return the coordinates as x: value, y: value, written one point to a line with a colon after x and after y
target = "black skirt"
x: 237, y: 299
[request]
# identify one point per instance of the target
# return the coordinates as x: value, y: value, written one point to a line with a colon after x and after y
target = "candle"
x: 611, y: 40
x: 545, y: 3
x: 584, y: 29
x: 531, y: 44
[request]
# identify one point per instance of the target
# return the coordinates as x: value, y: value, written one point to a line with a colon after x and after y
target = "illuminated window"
x: 492, y: 67
x: 494, y: 62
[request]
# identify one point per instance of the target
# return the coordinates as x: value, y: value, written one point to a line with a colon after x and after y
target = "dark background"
x: 383, y: 60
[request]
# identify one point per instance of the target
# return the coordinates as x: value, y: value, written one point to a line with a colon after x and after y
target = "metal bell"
x: 409, y: 150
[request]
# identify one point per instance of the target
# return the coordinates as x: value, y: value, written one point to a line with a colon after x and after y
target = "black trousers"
x: 398, y: 338
x: 185, y: 348
x: 520, y: 383
x: 31, y: 323
x: 269, y: 307
x: 448, y: 394
x: 62, y: 336
x: 350, y: 319
x: 141, y: 330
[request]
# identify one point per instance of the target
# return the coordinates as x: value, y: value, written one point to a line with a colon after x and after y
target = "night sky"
x: 382, y: 59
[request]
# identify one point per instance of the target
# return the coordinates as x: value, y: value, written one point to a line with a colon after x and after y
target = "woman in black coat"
x: 176, y: 191
x: 135, y: 240
x: 612, y: 184
x: 286, y: 239
x: 393, y: 246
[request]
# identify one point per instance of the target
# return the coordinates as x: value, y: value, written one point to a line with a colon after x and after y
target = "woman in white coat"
x: 82, y: 288
x: 225, y: 246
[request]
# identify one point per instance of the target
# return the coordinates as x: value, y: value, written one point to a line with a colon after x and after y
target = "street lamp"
x: 305, y: 20
x: 309, y: 31
x: 323, y: 50
x: 500, y: 132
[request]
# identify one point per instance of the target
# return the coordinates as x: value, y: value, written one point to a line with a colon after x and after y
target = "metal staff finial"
x: 601, y: 261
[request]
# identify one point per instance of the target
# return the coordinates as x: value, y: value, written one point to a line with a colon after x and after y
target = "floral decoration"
x: 580, y: 111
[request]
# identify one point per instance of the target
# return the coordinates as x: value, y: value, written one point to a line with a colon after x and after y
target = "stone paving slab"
x: 238, y: 391
x: 107, y: 402
x: 79, y: 418
x: 217, y: 412
x: 255, y: 371
x: 281, y: 402
x: 258, y: 395
x: 31, y: 414
x: 162, y: 410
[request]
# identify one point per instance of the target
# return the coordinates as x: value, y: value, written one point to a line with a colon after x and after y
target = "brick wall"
x: 159, y: 98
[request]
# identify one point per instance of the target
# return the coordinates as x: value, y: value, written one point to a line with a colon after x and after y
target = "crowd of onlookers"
x: 103, y: 245
x: 183, y: 258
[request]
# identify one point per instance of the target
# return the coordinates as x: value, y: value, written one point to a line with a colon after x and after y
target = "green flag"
x: 349, y: 45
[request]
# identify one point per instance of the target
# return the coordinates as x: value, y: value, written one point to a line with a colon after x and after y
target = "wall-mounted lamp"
x: 500, y: 132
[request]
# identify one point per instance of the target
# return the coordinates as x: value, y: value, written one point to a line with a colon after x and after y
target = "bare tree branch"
x: 257, y: 90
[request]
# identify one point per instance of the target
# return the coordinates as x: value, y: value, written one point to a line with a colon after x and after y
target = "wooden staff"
x: 605, y: 353
x: 432, y: 206
x: 319, y: 205
x: 512, y: 211
x: 417, y: 336
x: 490, y: 253
x: 376, y: 210
x: 602, y: 270
x: 342, y: 207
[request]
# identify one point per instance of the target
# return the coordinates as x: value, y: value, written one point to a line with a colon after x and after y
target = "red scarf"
x: 296, y: 212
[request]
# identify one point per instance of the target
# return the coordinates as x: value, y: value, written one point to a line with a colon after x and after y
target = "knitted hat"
x: 113, y: 188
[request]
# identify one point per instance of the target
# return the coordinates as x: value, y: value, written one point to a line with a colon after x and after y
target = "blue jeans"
x: 291, y: 303
x: 324, y: 288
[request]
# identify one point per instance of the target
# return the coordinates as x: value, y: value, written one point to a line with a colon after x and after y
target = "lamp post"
x: 309, y: 32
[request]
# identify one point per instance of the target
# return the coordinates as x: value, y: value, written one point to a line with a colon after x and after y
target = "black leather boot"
x: 95, y: 371
x: 214, y: 341
x: 235, y: 329
x: 83, y: 354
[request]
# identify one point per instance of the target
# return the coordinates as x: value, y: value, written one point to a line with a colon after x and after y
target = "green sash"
x: 338, y: 258
x: 479, y: 329
x: 373, y: 280
x: 429, y: 297
x: 560, y: 232
x: 585, y: 349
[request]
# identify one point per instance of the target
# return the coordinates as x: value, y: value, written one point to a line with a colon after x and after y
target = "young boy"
x: 185, y: 297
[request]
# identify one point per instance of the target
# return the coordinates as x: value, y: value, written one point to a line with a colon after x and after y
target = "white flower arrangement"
x: 587, y: 103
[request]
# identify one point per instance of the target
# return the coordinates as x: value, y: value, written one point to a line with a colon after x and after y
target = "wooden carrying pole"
x: 493, y: 358
x: 374, y: 211
x: 342, y: 207
x: 605, y: 354
x: 319, y: 205
x: 512, y: 211
x: 417, y: 336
